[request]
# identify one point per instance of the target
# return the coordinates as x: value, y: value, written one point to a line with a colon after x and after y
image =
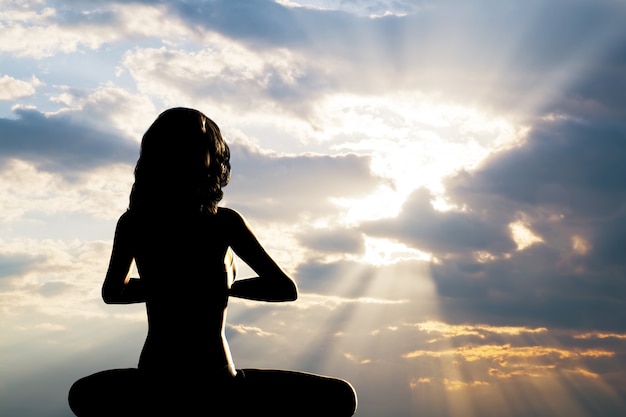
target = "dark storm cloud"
x: 56, y: 144
x: 424, y: 228
x: 284, y: 187
x: 566, y: 184
x: 573, y: 169
x: 532, y: 287
x: 575, y: 154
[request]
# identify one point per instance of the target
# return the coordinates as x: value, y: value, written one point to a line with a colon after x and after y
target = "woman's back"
x: 180, y: 258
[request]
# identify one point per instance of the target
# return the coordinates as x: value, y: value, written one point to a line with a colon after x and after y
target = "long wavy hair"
x: 184, y: 162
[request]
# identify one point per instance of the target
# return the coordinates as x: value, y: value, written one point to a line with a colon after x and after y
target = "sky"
x: 443, y: 179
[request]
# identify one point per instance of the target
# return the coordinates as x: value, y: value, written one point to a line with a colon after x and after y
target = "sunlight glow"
x: 505, y: 361
x: 484, y: 257
x: 601, y: 335
x: 480, y: 330
x: 580, y: 245
x: 480, y: 362
x: 523, y: 236
x: 386, y: 252
x: 504, y: 353
x: 414, y: 141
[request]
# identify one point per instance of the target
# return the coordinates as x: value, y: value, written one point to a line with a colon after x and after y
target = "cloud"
x: 514, y: 50
x: 14, y: 265
x: 243, y: 329
x: 480, y: 330
x: 333, y: 240
x: 12, y: 89
x: 42, y: 32
x: 565, y: 185
x: 372, y: 9
x: 562, y: 187
x: 442, y: 233
x: 107, y: 108
x: 220, y: 74
x: 56, y: 144
x: 31, y: 198
x: 270, y: 185
x: 57, y: 282
x: 566, y: 164
x: 566, y: 178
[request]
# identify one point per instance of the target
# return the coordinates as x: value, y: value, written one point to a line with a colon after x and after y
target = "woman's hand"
x: 272, y: 283
x: 263, y: 289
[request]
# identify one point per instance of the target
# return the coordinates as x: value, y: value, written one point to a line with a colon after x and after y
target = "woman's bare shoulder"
x: 234, y: 222
x: 229, y: 215
x: 126, y: 219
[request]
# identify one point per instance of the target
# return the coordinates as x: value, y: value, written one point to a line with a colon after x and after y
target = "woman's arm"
x: 272, y: 283
x: 118, y: 287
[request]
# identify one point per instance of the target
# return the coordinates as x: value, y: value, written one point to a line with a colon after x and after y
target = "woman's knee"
x: 347, y: 398
x: 78, y: 396
x: 102, y: 392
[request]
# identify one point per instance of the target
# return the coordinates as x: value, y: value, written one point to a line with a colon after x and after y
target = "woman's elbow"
x: 107, y: 299
x: 109, y: 296
x: 292, y: 292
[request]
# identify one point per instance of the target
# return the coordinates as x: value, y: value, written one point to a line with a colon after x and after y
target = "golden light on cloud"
x: 414, y: 382
x: 523, y: 236
x: 485, y: 356
x: 484, y: 257
x: 353, y: 358
x: 480, y: 330
x: 580, y: 245
x: 584, y: 372
x: 505, y: 352
x: 601, y: 335
x: 453, y: 385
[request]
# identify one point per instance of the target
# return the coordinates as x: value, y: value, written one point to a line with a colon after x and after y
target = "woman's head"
x: 183, y: 161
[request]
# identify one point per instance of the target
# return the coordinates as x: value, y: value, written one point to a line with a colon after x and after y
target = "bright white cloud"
x: 414, y: 141
x: 108, y: 108
x: 38, y: 33
x: 53, y: 272
x: 12, y: 89
x: 385, y: 252
x: 24, y: 191
x: 205, y: 76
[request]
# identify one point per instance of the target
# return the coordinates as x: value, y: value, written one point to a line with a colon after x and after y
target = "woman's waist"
x: 184, y: 375
x: 192, y: 341
x: 185, y: 355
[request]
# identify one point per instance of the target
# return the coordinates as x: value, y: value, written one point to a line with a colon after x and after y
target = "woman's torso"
x: 180, y: 259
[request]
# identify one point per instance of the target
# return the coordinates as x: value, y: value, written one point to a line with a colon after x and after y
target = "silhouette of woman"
x: 181, y: 242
